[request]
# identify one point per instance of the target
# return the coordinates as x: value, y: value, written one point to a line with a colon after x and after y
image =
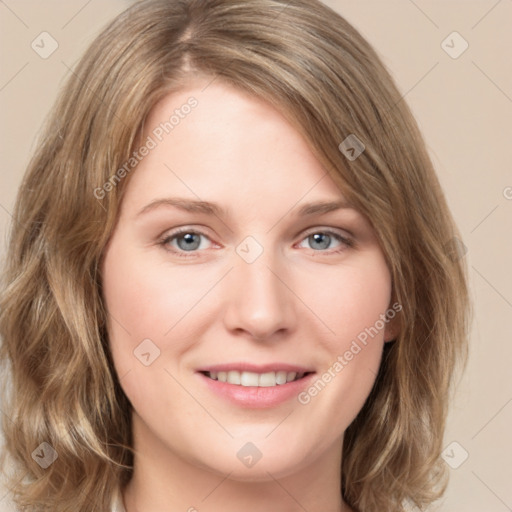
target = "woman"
x: 233, y: 277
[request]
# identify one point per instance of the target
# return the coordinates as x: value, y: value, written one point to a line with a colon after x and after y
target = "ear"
x: 393, y: 321
x: 392, y: 330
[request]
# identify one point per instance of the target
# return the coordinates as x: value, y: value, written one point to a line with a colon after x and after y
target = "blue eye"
x: 184, y: 241
x: 321, y: 240
x: 191, y: 241
x: 188, y: 242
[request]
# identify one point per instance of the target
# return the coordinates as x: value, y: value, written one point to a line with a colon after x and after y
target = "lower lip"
x: 257, y: 397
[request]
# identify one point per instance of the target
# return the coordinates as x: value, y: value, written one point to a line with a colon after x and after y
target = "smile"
x: 256, y: 386
x: 253, y: 379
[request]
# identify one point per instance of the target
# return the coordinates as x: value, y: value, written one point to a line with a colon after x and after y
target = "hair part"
x: 317, y: 70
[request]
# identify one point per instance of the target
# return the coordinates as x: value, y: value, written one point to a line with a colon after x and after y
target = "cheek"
x: 142, y: 305
x: 352, y: 300
x: 149, y: 300
x: 146, y: 297
x: 352, y: 307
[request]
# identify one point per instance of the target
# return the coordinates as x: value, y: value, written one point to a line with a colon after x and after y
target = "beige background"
x: 464, y: 108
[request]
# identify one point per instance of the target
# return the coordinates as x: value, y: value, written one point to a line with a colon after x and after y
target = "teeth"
x: 234, y: 377
x: 267, y: 380
x: 264, y: 380
x: 280, y: 377
x: 249, y: 379
x: 290, y: 376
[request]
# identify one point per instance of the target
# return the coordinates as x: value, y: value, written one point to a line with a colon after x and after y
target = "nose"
x: 260, y: 302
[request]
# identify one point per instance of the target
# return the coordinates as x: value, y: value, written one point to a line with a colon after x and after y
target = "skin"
x: 296, y: 303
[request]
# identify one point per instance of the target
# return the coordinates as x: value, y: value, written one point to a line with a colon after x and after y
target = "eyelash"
x: 166, y: 239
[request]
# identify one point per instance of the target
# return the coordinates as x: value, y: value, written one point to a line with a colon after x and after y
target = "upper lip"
x: 255, y: 368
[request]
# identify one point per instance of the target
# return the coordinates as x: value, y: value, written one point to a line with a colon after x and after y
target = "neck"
x: 163, y: 481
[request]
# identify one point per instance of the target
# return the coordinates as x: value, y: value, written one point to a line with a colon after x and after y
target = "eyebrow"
x: 188, y: 205
x: 208, y: 208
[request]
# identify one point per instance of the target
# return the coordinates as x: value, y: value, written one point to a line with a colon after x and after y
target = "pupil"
x: 322, y: 239
x: 189, y: 242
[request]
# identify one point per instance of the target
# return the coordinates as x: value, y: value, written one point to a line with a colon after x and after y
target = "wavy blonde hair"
x: 326, y: 79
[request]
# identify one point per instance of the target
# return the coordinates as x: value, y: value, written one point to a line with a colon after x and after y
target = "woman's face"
x: 225, y: 265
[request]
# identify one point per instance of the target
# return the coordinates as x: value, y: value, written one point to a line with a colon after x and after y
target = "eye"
x: 325, y: 239
x: 185, y: 241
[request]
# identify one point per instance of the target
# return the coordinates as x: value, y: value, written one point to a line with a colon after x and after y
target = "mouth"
x: 255, y: 379
x: 256, y: 386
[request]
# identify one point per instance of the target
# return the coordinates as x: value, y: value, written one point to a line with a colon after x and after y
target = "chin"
x: 256, y: 462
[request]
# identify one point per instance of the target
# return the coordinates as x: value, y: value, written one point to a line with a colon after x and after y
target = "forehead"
x: 218, y: 143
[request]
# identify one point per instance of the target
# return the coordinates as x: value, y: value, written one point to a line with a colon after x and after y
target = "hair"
x: 318, y: 71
